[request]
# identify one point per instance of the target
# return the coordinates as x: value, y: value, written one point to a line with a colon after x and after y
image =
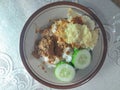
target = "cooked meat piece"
x: 36, y: 50
x: 45, y: 32
x: 35, y: 54
x: 77, y: 20
x: 49, y: 46
x: 62, y: 43
x: 58, y: 50
x: 60, y: 46
x: 46, y: 45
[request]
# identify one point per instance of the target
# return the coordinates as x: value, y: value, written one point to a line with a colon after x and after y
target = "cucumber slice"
x: 65, y: 72
x: 81, y: 59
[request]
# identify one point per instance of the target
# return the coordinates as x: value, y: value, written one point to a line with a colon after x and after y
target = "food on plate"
x: 65, y: 45
x: 65, y: 72
x: 81, y: 58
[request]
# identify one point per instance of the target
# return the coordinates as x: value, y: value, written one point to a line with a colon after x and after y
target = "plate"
x: 28, y: 36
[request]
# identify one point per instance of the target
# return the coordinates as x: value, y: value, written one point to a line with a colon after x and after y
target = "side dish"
x: 66, y: 45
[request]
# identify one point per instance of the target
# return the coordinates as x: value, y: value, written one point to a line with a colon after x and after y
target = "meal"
x: 66, y: 44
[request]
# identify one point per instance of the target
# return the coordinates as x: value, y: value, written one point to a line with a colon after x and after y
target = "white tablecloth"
x: 13, y: 15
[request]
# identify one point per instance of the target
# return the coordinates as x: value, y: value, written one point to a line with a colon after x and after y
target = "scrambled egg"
x: 79, y: 35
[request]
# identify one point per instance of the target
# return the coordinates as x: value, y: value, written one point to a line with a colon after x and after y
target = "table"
x: 13, y: 15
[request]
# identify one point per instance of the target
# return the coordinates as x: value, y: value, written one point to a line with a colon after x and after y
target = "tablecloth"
x: 14, y: 14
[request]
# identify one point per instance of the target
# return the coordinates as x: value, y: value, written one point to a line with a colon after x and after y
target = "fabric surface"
x: 14, y: 14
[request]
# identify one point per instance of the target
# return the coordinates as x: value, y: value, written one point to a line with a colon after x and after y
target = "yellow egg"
x: 76, y: 33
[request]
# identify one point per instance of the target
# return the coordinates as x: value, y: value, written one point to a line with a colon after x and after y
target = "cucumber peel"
x: 61, y: 62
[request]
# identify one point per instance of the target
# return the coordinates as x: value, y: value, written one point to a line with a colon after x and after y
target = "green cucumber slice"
x: 81, y: 59
x: 65, y: 72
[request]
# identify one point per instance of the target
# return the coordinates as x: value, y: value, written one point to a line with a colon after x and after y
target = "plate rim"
x: 79, y: 6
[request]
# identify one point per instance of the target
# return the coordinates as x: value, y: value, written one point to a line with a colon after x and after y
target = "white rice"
x: 67, y: 57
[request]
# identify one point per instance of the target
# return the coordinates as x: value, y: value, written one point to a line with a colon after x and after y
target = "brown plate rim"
x: 52, y: 5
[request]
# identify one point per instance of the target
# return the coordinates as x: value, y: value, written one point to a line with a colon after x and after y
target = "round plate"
x: 28, y: 36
